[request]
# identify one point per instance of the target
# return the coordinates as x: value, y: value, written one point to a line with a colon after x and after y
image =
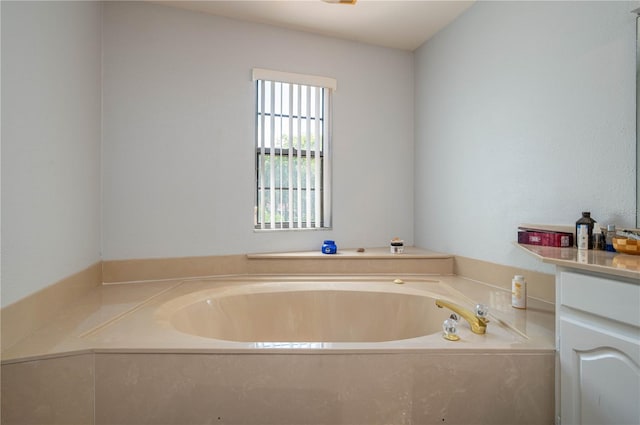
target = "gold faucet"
x: 478, y: 324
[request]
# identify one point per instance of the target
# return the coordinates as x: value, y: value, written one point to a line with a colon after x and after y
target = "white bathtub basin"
x: 306, y: 312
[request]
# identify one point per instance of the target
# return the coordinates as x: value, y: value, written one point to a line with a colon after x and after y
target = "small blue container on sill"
x: 329, y: 247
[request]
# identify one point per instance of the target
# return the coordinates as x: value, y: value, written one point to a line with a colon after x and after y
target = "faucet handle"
x: 482, y: 312
x: 450, y: 329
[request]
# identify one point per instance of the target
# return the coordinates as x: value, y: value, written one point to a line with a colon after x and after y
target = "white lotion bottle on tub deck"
x: 519, y: 292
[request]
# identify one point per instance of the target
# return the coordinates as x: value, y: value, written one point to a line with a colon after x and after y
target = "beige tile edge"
x: 25, y: 316
x: 539, y: 285
x: 119, y: 271
x: 114, y: 271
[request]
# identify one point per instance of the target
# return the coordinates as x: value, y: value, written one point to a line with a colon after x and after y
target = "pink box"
x: 557, y: 239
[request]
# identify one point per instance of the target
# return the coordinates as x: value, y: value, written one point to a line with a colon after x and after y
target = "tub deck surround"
x: 346, y: 261
x: 115, y: 357
x: 541, y: 285
x: 350, y: 261
x: 377, y: 253
x: 38, y: 309
x: 63, y: 334
x: 127, y: 318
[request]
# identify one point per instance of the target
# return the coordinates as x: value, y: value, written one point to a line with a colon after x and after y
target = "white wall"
x: 524, y: 113
x: 178, y: 125
x: 50, y: 143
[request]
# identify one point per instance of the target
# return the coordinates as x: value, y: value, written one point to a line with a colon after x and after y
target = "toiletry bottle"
x: 584, y: 231
x: 329, y: 247
x: 396, y: 246
x: 598, y: 237
x: 611, y: 233
x: 519, y: 292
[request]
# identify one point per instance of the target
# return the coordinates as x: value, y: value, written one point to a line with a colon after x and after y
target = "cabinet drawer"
x: 603, y: 297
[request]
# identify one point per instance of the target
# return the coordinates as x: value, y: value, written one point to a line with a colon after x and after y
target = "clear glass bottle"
x: 598, y: 238
x: 611, y: 232
x: 584, y: 231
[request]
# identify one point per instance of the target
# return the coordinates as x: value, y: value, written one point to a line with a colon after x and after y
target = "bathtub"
x: 311, y: 311
x: 330, y: 350
x: 354, y: 313
x: 299, y: 349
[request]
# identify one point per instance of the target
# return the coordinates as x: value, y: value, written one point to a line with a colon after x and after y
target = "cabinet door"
x: 600, y: 375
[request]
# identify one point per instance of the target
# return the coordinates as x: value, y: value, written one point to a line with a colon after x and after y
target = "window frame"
x: 323, y: 110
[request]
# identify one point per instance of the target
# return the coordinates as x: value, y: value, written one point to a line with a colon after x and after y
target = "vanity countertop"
x: 611, y: 263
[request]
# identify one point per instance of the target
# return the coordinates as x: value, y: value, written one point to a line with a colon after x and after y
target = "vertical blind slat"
x: 262, y: 152
x: 318, y: 161
x: 326, y: 168
x: 280, y: 133
x: 290, y: 162
x: 272, y: 171
x: 298, y: 158
x: 308, y: 162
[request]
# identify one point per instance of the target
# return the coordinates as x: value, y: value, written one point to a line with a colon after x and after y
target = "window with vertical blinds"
x: 292, y: 150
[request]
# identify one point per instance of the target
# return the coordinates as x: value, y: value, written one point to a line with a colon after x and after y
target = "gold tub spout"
x: 478, y: 324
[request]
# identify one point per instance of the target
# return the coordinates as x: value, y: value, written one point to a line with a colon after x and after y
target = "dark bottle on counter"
x: 584, y: 231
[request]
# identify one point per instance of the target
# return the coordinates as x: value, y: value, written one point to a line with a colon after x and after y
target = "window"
x: 292, y: 150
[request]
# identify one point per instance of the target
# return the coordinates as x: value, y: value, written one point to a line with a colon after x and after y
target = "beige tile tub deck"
x: 346, y: 261
x: 37, y: 310
x: 123, y: 318
x: 99, y: 308
x: 130, y: 369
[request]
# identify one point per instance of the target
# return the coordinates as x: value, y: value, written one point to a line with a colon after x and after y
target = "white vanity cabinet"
x: 598, y: 334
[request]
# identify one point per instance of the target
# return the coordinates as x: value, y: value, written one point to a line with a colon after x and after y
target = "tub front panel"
x: 332, y: 389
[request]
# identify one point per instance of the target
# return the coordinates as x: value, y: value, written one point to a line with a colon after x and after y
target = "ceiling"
x: 400, y: 24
